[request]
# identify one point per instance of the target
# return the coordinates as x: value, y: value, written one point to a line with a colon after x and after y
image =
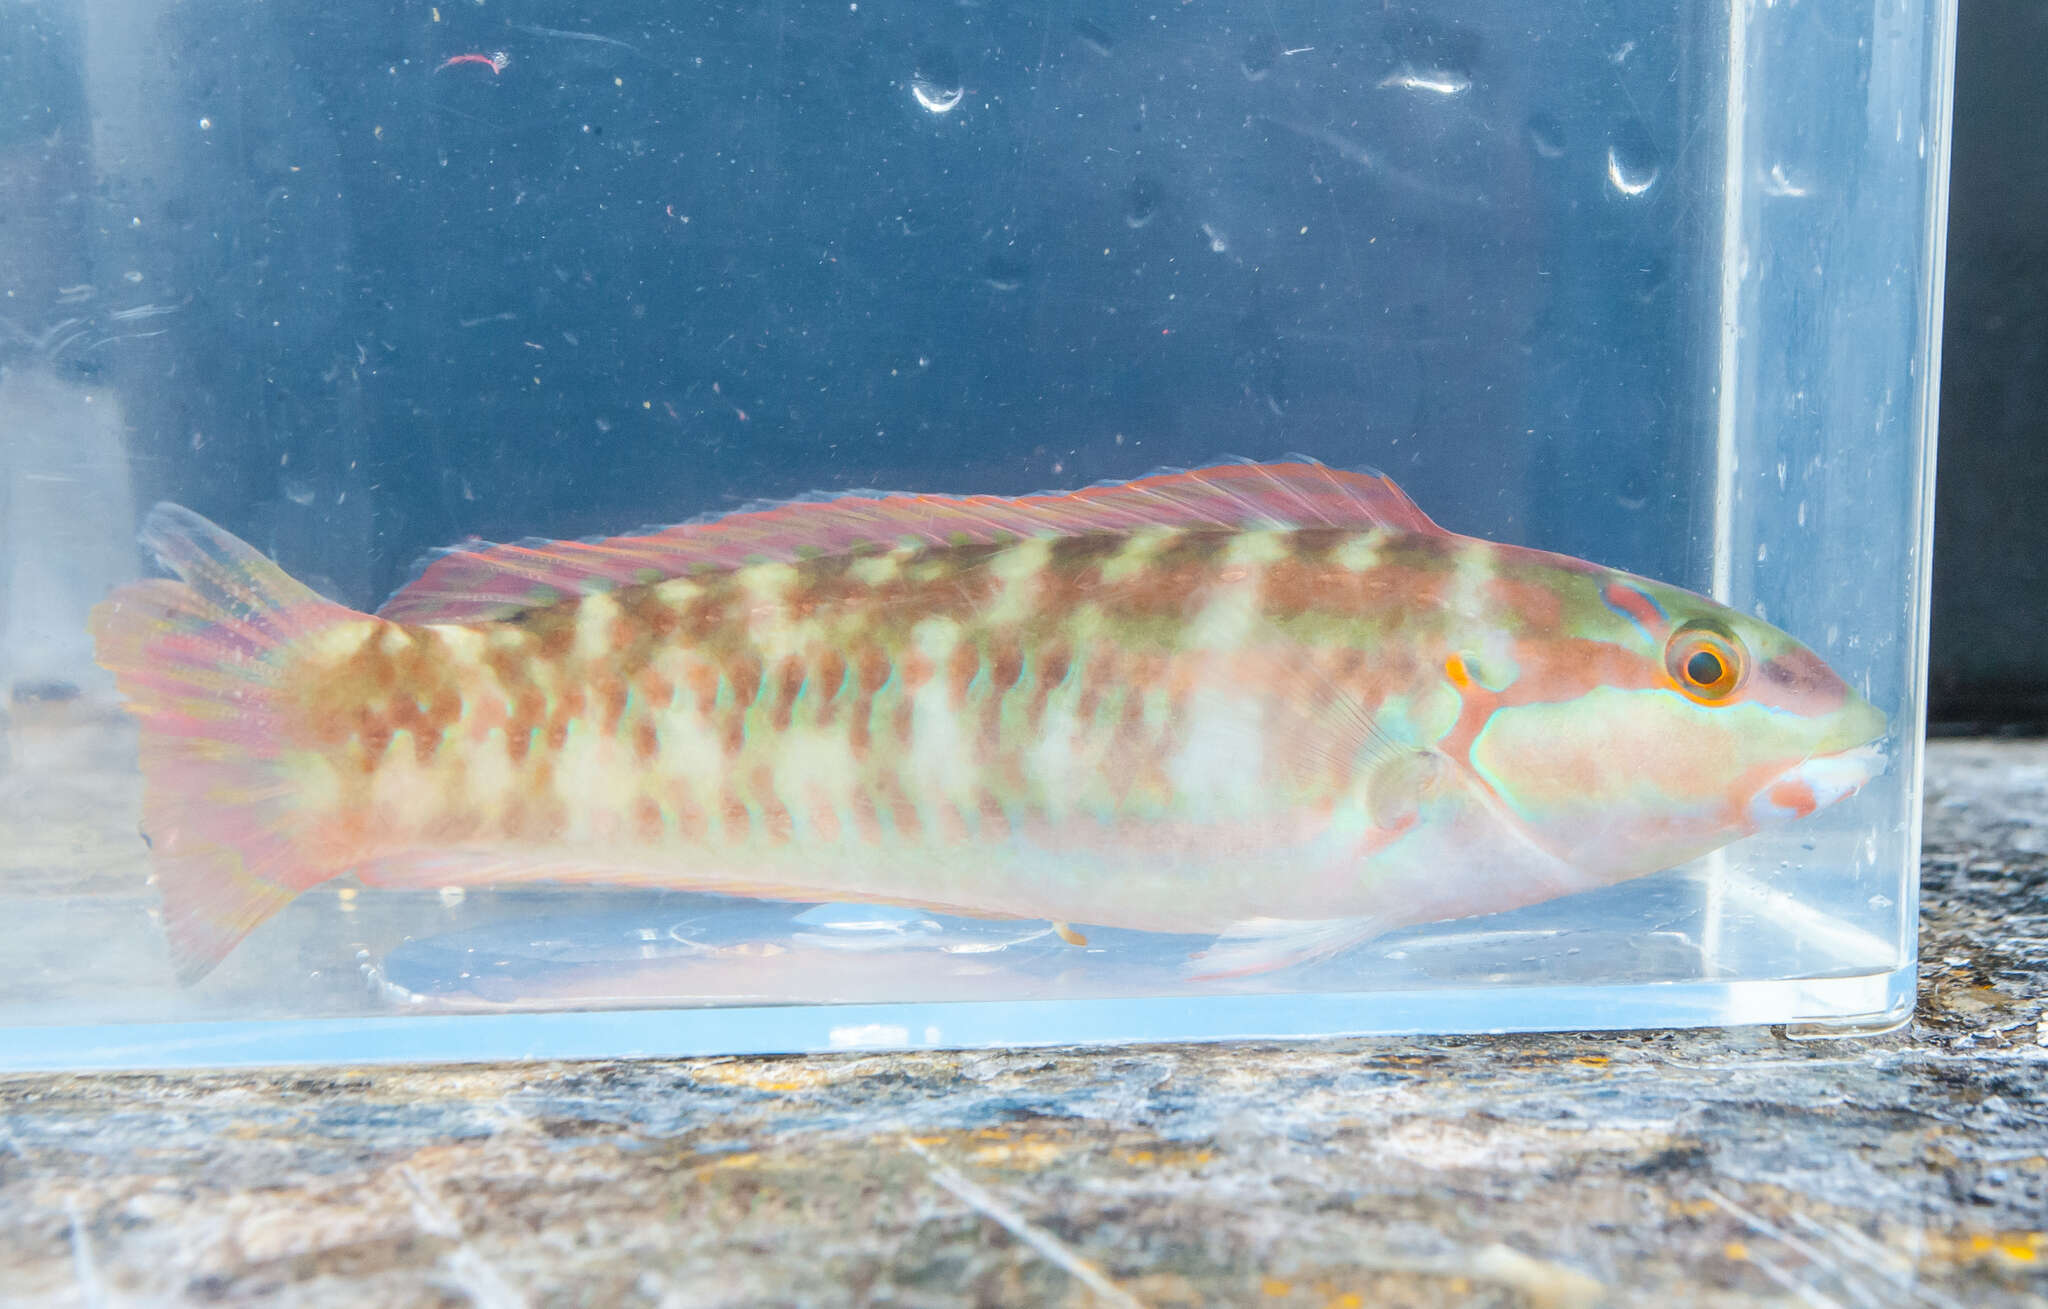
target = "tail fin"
x: 198, y: 661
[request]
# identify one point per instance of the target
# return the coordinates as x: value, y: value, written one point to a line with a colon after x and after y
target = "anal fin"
x: 1264, y: 945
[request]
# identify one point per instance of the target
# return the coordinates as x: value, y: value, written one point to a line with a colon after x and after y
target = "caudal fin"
x: 198, y: 661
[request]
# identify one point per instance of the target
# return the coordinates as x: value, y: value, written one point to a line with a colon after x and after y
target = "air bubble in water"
x: 298, y: 491
x: 936, y: 82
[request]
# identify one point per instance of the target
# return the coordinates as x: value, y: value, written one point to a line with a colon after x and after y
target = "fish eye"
x: 1706, y: 664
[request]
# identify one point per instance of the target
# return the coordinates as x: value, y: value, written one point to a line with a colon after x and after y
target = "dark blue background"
x: 420, y: 305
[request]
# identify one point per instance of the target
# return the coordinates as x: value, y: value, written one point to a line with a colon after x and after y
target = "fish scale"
x: 1273, y: 702
x: 941, y: 754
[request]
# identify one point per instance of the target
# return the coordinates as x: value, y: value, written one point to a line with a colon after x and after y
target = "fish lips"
x: 1814, y: 784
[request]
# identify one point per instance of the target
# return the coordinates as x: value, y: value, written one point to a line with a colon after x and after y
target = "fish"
x: 1270, y: 704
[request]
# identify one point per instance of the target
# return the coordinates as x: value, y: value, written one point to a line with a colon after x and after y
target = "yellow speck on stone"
x: 1274, y: 1286
x: 778, y: 1078
x: 2014, y: 1250
x: 1979, y: 1244
x: 1019, y: 1154
x: 744, y: 1159
x: 1591, y: 1060
x: 1459, y: 1286
x: 1348, y: 1300
x: 1735, y: 1250
x: 1139, y: 1157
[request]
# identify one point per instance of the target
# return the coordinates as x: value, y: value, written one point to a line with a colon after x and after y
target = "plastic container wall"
x: 1643, y: 284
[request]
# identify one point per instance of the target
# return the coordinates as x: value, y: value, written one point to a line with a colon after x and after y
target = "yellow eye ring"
x: 1706, y: 665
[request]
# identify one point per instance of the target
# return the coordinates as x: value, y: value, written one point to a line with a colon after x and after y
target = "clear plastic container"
x: 1650, y: 285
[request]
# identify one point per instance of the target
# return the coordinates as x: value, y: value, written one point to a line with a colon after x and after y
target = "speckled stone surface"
x: 1707, y: 1168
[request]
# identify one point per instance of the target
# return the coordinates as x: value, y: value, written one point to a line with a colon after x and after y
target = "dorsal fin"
x: 480, y: 584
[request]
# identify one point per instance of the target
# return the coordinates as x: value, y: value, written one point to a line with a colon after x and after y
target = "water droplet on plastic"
x: 1004, y: 272
x: 1430, y: 59
x: 1632, y: 163
x: 1217, y: 242
x: 1634, y: 493
x: 298, y: 491
x: 1428, y: 80
x: 1258, y: 58
x: 1142, y: 202
x: 1781, y: 180
x: 1880, y: 902
x: 1546, y: 138
x: 1093, y: 37
x: 936, y: 82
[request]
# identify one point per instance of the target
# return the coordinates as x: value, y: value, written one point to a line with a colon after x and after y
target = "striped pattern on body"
x: 1104, y: 695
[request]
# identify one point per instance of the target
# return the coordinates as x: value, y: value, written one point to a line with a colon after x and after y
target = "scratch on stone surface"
x: 1812, y: 1254
x: 1806, y: 1294
x: 1888, y: 1263
x: 470, y: 1271
x: 1054, y: 1250
x: 82, y: 1265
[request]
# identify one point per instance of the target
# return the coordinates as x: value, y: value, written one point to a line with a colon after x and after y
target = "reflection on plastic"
x: 707, y: 950
x: 661, y: 950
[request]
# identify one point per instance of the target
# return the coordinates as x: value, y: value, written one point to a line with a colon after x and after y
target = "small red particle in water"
x: 497, y: 61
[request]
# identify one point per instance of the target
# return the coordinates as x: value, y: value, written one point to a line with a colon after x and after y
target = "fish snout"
x: 1814, y: 784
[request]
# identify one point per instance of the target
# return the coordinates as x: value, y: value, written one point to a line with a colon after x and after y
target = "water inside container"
x: 1647, y: 286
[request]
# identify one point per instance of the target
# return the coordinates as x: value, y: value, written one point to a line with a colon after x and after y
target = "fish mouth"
x: 1814, y: 784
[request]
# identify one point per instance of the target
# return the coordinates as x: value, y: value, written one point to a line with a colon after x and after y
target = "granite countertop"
x: 1676, y: 1168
